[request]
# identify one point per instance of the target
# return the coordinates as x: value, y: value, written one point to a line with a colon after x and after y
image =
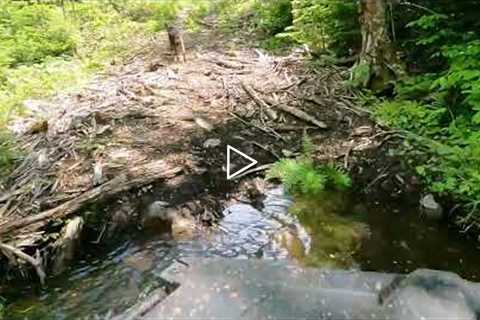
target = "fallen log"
x: 134, y: 178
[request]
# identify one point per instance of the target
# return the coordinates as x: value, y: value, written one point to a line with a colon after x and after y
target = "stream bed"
x: 335, y: 231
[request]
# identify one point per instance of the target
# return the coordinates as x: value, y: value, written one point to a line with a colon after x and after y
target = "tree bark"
x: 377, y: 65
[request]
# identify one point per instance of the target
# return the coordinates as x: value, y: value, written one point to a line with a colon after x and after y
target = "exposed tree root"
x: 35, y: 262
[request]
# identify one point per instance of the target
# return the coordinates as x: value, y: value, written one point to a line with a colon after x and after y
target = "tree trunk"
x: 377, y: 65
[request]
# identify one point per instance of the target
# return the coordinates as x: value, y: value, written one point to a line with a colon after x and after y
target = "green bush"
x: 268, y: 19
x: 411, y: 115
x: 441, y: 111
x: 29, y: 34
x: 326, y: 25
x: 8, y: 154
x: 272, y: 16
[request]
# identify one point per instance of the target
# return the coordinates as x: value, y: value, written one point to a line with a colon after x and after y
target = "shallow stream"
x: 335, y: 231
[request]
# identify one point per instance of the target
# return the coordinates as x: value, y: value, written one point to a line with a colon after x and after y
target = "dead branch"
x: 249, y: 90
x: 134, y: 178
x: 228, y: 64
x: 35, y: 262
x: 285, y: 108
x: 301, y: 115
x: 346, y: 105
x: 293, y: 128
x: 271, y: 132
x: 257, y: 169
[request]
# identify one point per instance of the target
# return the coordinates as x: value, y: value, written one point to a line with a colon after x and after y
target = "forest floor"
x: 153, y: 128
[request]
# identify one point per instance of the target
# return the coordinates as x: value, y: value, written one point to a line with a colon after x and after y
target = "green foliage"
x: 29, y: 34
x: 441, y: 109
x: 411, y: 115
x: 326, y: 25
x: 45, y: 48
x: 8, y: 154
x: 301, y: 176
x: 308, y: 147
x: 272, y: 16
x: 2, y: 308
x: 267, y: 18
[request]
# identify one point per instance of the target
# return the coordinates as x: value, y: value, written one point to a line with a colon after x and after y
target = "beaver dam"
x: 126, y: 175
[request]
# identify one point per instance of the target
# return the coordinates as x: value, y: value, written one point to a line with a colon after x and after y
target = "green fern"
x: 301, y: 176
x: 337, y: 178
x: 307, y: 146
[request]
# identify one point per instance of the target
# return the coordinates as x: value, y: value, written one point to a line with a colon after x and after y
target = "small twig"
x: 382, y: 175
x: 35, y: 262
x: 249, y: 90
x: 261, y: 146
x: 272, y: 132
x: 414, y: 5
x: 297, y: 113
x: 374, y: 181
x: 347, y: 155
x: 100, y: 236
x: 294, y: 128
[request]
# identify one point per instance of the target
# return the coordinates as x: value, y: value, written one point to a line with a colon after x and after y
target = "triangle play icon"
x: 243, y: 169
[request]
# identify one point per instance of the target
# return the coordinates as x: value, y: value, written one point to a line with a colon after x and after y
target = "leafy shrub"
x: 326, y: 25
x: 37, y: 80
x: 29, y: 34
x: 267, y: 18
x: 411, y: 115
x: 7, y: 156
x: 441, y: 110
x: 272, y: 16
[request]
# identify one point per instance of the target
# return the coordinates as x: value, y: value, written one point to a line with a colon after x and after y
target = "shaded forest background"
x: 432, y: 98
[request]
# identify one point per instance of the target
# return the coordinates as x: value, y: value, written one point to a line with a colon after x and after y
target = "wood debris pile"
x: 119, y: 132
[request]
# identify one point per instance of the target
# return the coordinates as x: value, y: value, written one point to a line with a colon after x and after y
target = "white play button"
x: 244, y: 168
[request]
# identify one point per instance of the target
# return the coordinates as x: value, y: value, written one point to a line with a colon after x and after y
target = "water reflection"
x: 335, y: 230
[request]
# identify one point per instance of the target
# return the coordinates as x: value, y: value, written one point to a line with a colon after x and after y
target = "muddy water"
x: 335, y: 231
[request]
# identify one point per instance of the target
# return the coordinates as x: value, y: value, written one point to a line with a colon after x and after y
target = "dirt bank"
x: 152, y: 129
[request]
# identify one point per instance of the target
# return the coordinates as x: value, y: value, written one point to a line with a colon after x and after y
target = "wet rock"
x: 288, y: 240
x: 183, y: 228
x: 430, y: 294
x: 121, y: 218
x: 140, y: 262
x: 161, y: 218
x: 68, y: 244
x: 212, y: 143
x: 155, y: 217
x: 431, y: 208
